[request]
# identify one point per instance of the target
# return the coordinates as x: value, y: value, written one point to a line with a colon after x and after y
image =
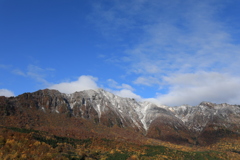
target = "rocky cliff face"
x: 190, y: 124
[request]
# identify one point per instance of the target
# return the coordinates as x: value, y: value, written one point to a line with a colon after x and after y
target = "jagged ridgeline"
x: 101, y: 114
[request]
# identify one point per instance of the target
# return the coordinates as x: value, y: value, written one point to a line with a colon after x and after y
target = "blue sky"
x: 169, y: 52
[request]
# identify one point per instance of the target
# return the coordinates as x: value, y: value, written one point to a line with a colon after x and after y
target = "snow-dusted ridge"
x: 108, y: 109
x: 130, y: 113
x: 201, y: 124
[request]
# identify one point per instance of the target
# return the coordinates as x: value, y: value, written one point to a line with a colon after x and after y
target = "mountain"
x: 99, y: 110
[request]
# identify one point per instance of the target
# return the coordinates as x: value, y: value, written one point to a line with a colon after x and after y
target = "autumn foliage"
x: 29, y: 132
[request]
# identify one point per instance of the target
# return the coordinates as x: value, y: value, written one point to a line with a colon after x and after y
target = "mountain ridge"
x: 190, y: 124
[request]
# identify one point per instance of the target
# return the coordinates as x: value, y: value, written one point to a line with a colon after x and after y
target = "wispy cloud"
x: 19, y: 72
x: 148, y: 81
x: 5, y: 66
x: 38, y: 74
x: 177, y: 37
x: 200, y: 42
x: 115, y: 16
x: 31, y: 71
x: 182, y: 46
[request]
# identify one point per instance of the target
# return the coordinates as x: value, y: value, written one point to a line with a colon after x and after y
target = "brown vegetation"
x: 29, y: 129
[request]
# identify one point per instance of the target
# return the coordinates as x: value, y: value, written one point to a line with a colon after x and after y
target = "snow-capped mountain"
x: 185, y: 123
x: 196, y: 118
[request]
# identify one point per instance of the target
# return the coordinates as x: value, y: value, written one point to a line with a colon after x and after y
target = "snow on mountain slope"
x: 196, y: 118
x: 141, y: 114
x: 126, y: 110
x: 106, y: 108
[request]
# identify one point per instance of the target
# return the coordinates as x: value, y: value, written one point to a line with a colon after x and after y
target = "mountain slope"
x: 202, y: 124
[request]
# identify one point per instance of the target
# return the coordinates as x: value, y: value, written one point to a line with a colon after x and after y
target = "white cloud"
x: 83, y: 83
x: 114, y: 84
x: 89, y: 82
x: 127, y: 94
x: 203, y: 86
x: 6, y: 93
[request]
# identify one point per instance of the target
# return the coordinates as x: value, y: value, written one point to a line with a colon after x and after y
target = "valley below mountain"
x: 96, y: 124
